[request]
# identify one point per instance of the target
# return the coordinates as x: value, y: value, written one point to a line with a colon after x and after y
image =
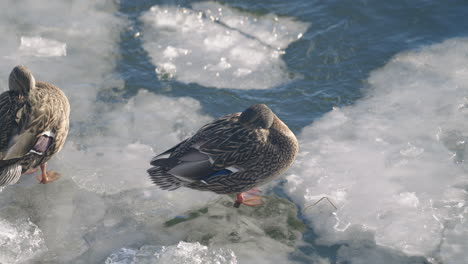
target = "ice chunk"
x: 453, y: 248
x: 366, y: 252
x: 113, y: 155
x: 219, y: 233
x: 274, y: 31
x: 394, y: 162
x: 42, y: 47
x: 261, y: 234
x: 181, y: 253
x: 218, y: 46
x: 59, y: 46
x: 79, y: 225
x: 20, y: 241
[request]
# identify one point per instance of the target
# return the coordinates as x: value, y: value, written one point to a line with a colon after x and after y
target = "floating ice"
x: 53, y: 234
x: 46, y: 33
x: 114, y: 154
x: 249, y: 234
x: 219, y: 46
x: 181, y: 253
x: 453, y: 250
x: 42, y: 47
x: 394, y: 162
x: 20, y: 241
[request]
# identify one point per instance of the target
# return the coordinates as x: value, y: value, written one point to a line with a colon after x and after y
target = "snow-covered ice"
x: 218, y: 46
x: 42, y: 47
x: 395, y: 161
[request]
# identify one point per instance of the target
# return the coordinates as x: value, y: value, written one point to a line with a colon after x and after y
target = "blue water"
x: 346, y: 40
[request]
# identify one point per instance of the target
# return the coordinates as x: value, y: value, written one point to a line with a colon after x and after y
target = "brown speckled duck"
x: 34, y: 119
x: 233, y: 154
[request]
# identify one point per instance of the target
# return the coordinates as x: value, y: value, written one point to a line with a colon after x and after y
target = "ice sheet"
x: 218, y: 46
x: 249, y: 235
x: 394, y: 163
x: 114, y: 155
x: 60, y: 46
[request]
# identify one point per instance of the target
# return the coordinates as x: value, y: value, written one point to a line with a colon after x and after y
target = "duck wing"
x: 229, y: 143
x: 15, y: 138
x: 220, y: 148
x: 10, y: 105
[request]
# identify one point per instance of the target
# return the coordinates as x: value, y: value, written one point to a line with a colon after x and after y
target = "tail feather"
x: 165, y: 162
x: 163, y: 180
x: 10, y: 174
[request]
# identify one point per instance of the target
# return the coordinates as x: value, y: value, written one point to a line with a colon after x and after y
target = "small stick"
x: 307, y: 207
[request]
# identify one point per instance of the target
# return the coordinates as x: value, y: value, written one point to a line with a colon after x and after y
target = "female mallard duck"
x: 34, y: 126
x: 233, y: 154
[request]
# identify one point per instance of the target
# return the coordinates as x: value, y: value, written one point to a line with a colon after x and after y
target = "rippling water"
x: 376, y: 92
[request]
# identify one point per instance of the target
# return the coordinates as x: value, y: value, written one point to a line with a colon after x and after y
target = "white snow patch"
x: 42, y: 47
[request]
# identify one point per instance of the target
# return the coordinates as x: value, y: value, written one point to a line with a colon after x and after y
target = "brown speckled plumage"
x: 27, y: 111
x: 230, y: 155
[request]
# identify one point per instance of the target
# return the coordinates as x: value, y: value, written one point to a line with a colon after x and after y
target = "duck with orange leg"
x: 34, y: 121
x: 232, y: 155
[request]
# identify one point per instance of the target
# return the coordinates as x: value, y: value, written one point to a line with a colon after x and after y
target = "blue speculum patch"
x: 221, y: 172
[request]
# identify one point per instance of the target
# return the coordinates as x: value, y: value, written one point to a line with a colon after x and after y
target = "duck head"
x: 21, y: 80
x: 258, y: 115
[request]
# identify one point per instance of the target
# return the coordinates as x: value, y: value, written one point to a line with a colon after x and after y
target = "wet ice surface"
x: 86, y: 227
x: 394, y: 163
x: 249, y: 235
x: 114, y: 156
x: 20, y: 240
x: 181, y: 253
x: 215, y: 45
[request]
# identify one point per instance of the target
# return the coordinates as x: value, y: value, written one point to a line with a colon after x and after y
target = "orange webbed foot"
x: 46, y: 177
x: 249, y: 198
x: 253, y: 201
x: 49, y: 177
